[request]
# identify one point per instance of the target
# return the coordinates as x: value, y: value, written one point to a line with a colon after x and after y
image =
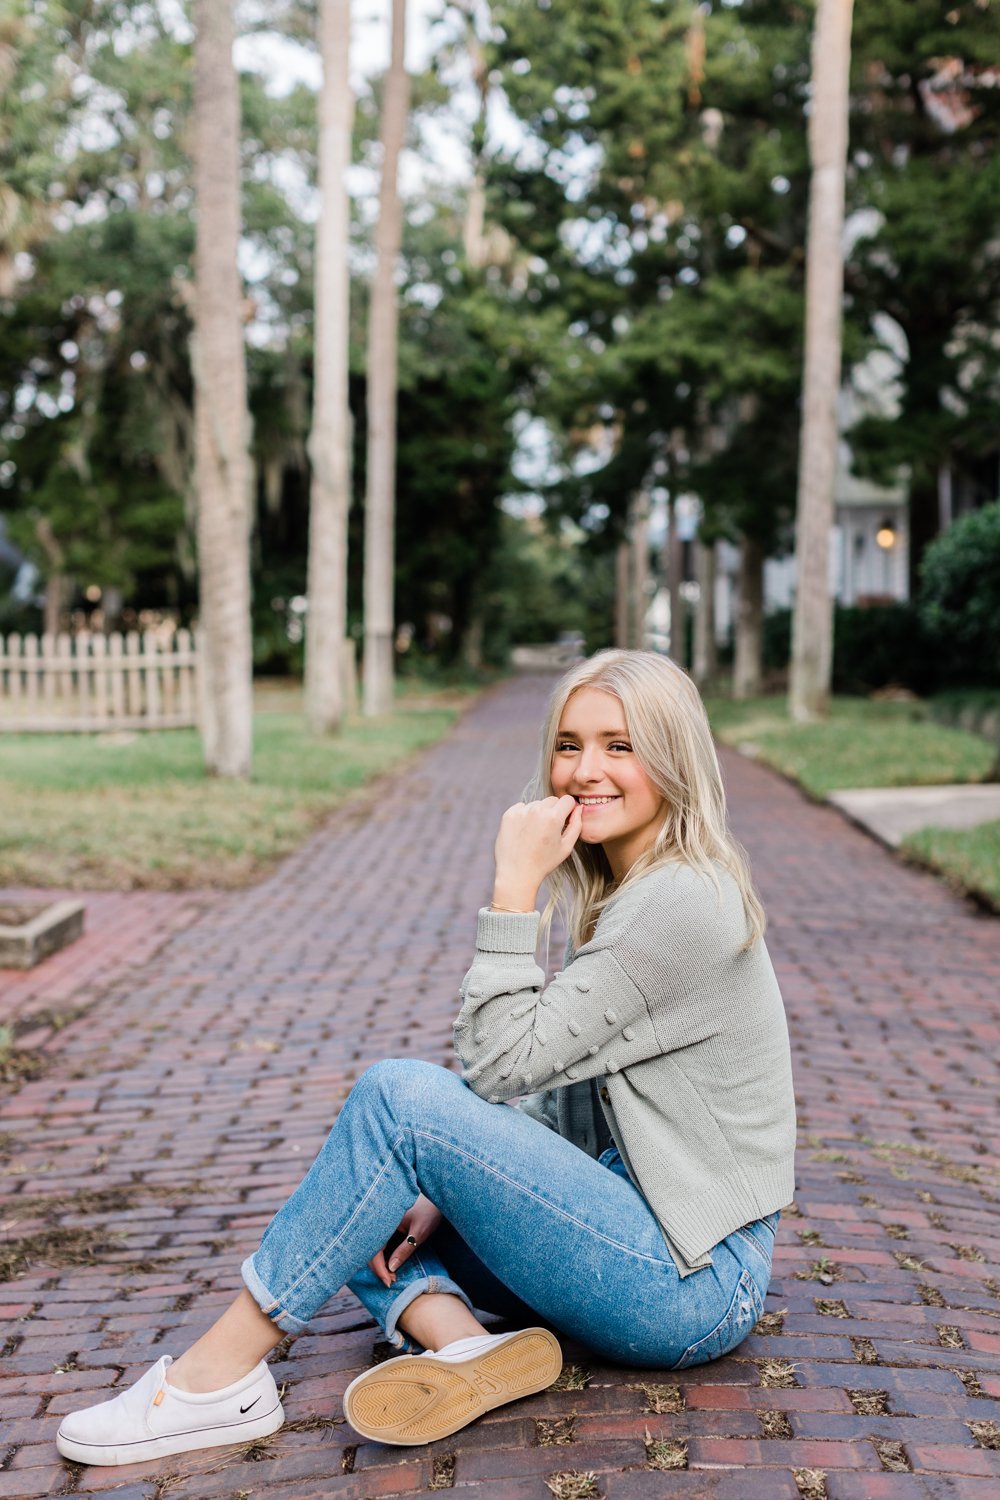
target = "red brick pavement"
x: 121, y: 930
x: 183, y: 1104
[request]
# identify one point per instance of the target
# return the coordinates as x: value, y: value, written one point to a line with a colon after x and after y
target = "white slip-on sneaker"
x: 153, y: 1419
x: 417, y: 1398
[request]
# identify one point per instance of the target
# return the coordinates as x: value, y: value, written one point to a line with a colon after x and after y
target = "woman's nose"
x: 589, y: 766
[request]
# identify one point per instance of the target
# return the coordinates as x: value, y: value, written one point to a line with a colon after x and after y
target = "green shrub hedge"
x: 959, y: 598
x: 882, y: 645
x: 946, y: 640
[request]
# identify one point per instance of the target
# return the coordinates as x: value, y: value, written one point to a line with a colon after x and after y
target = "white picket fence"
x: 90, y: 681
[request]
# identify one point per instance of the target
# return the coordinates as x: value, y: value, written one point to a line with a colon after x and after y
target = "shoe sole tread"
x: 424, y: 1398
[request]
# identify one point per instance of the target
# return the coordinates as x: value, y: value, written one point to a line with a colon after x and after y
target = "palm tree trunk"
x: 673, y: 567
x: 706, y: 663
x: 382, y: 339
x: 330, y: 438
x: 748, y: 674
x: 222, y: 464
x: 812, y: 623
x: 640, y: 570
x: 623, y: 593
x: 474, y: 223
x: 57, y: 589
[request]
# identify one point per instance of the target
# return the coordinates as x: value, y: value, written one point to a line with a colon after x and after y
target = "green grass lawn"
x: 123, y: 811
x: 869, y: 743
x: 865, y: 742
x: 968, y: 857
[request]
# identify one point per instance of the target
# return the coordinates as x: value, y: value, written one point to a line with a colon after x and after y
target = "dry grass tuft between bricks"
x: 774, y: 1424
x: 831, y: 1307
x: 811, y: 1484
x: 574, y: 1485
x: 910, y: 1262
x: 892, y: 1456
x: 443, y: 1472
x: 57, y: 1248
x: 771, y: 1323
x: 777, y: 1373
x: 985, y: 1434
x: 823, y: 1270
x: 117, y: 1198
x: 662, y: 1400
x: 313, y: 1423
x: 572, y: 1378
x: 167, y: 1483
x: 21, y: 1064
x: 554, y: 1431
x: 61, y: 1247
x: 259, y: 1451
x: 665, y: 1453
x: 870, y: 1403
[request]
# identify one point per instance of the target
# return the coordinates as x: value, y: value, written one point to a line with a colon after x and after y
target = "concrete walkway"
x: 892, y: 813
x: 187, y: 1095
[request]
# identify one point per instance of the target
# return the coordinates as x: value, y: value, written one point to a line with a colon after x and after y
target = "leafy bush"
x: 960, y: 597
x: 873, y: 647
x: 948, y: 638
x: 777, y: 640
x: 880, y: 645
x: 974, y: 709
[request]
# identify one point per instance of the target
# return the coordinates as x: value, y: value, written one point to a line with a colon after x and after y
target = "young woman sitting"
x: 630, y: 1202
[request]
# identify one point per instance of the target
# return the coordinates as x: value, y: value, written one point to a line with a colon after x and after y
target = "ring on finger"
x: 411, y: 1241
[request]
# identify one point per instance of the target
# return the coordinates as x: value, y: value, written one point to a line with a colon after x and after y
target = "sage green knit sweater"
x: 684, y: 1031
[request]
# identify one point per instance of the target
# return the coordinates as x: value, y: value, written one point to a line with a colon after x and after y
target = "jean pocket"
x: 745, y: 1308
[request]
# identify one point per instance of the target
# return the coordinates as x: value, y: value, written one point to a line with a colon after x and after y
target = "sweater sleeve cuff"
x: 507, y: 932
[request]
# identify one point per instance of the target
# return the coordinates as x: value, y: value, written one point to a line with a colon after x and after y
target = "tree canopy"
x: 638, y: 294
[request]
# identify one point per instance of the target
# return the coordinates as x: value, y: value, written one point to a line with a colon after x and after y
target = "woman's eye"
x: 619, y: 745
x: 565, y: 745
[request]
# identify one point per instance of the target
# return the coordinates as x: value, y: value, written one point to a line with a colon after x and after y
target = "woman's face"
x: 594, y: 762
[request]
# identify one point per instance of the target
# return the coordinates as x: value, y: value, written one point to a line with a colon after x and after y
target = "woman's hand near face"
x: 534, y: 839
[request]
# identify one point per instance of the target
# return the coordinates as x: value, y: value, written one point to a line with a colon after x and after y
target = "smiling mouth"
x: 597, y: 801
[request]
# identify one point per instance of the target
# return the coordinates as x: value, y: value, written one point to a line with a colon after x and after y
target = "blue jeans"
x: 535, y: 1229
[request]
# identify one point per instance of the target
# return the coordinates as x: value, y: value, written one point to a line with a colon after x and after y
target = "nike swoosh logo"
x: 245, y: 1409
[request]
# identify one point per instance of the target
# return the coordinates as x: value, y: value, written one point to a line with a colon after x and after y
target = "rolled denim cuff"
x: 269, y: 1305
x: 410, y: 1293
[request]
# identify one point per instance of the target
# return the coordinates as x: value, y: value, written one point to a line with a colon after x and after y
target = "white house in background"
x: 869, y: 541
x: 869, y: 556
x: 869, y: 546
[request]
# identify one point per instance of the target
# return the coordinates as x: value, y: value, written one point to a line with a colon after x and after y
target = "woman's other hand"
x: 419, y: 1222
x: 534, y: 839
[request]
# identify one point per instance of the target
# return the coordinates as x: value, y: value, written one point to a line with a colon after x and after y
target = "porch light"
x: 886, y: 535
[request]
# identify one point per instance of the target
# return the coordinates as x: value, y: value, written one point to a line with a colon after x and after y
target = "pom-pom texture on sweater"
x: 682, y: 1026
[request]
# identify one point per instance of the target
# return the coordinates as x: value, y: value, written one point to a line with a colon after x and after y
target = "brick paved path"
x: 181, y: 1107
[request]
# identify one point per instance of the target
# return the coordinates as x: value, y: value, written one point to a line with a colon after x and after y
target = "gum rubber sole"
x: 417, y: 1398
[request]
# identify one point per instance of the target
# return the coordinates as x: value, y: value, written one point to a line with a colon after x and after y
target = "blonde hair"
x: 669, y: 731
